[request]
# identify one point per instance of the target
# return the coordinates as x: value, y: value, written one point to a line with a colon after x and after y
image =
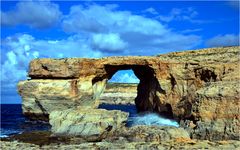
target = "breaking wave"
x: 135, y: 119
x: 151, y: 119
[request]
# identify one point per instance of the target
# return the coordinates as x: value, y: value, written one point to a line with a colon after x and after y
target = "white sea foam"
x: 152, y: 119
x: 7, y: 132
x: 3, y: 136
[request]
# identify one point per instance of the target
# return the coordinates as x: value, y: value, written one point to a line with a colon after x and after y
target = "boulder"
x: 90, y: 124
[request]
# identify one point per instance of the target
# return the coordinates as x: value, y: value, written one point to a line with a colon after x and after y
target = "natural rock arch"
x: 200, y: 87
x: 147, y: 90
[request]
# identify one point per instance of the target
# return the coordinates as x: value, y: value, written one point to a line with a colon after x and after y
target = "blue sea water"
x: 14, y: 122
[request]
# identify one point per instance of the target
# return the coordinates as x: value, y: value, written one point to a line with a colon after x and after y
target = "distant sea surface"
x: 14, y: 122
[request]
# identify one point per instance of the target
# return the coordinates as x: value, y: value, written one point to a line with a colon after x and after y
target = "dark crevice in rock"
x: 173, y: 81
x: 97, y: 79
x: 44, y: 116
x: 35, y: 116
x: 205, y: 75
x: 44, y: 67
x: 74, y: 88
x: 41, y: 107
x: 109, y: 128
x: 168, y: 113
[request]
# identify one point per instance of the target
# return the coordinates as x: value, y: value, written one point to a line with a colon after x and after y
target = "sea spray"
x: 134, y: 119
x: 151, y: 119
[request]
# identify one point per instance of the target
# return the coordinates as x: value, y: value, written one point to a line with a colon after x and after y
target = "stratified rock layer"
x: 90, y: 124
x: 200, y: 88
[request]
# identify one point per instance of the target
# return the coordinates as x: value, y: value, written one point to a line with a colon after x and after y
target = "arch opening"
x: 120, y: 92
x: 146, y: 99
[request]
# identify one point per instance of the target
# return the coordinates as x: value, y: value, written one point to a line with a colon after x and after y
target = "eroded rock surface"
x: 143, y: 133
x: 90, y: 124
x: 200, y: 87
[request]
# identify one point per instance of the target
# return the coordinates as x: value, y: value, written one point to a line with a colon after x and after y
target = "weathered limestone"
x: 217, y: 106
x: 90, y: 124
x: 154, y: 133
x: 182, y: 85
x: 40, y: 97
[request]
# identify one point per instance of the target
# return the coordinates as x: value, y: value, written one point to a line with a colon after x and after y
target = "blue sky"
x: 93, y: 29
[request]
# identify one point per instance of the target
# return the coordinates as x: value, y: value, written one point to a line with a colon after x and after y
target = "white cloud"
x: 132, y: 34
x: 223, y: 40
x: 20, y: 49
x: 14, y: 65
x: 151, y: 11
x: 38, y: 14
x: 96, y: 18
x: 108, y: 42
x: 12, y: 58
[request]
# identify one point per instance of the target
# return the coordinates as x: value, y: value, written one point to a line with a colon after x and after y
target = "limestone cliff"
x: 199, y: 88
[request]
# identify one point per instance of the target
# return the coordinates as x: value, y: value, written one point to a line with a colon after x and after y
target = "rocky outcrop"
x: 200, y: 87
x: 159, y: 134
x: 217, y: 107
x: 89, y: 124
x: 40, y: 97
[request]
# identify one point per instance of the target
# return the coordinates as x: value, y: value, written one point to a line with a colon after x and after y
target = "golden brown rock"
x: 199, y: 85
x: 90, y: 124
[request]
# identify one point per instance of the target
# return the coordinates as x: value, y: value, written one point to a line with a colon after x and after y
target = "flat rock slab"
x: 91, y: 124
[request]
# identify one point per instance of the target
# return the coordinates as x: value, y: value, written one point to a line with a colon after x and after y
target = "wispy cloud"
x: 182, y: 14
x: 151, y: 10
x: 223, y: 40
x: 191, y: 30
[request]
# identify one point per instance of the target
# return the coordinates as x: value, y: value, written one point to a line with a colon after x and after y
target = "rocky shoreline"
x: 143, y: 140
